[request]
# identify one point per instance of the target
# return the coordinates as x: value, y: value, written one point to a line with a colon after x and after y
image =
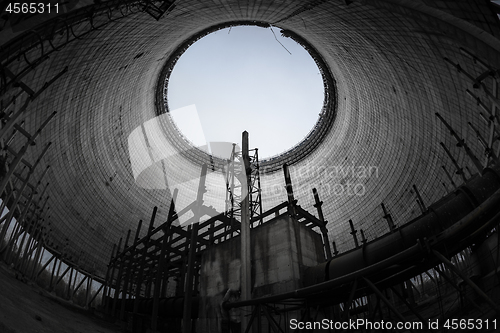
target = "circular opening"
x: 246, y: 78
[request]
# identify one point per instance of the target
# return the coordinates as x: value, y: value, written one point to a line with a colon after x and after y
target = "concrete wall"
x: 386, y: 57
x: 277, y: 259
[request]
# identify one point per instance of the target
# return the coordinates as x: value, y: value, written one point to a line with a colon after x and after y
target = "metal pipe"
x: 454, y: 207
x: 478, y: 290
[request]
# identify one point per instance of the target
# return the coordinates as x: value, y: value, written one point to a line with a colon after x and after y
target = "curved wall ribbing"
x: 391, y: 80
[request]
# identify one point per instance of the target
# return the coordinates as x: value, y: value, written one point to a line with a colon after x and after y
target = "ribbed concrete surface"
x: 386, y: 57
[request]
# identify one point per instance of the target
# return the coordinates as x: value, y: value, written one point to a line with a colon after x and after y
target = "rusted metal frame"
x: 259, y: 198
x: 183, y: 261
x: 10, y: 214
x: 477, y: 81
x: 219, y: 217
x: 54, y: 31
x: 479, y: 102
x: 30, y: 225
x: 58, y: 271
x: 449, y: 177
x: 16, y: 234
x: 39, y: 234
x: 129, y: 272
x: 73, y: 281
x: 494, y: 115
x: 372, y: 312
x: 158, y: 12
x: 478, y: 290
x: 26, y: 163
x: 90, y: 14
x: 62, y: 275
x: 255, y: 313
x: 440, y: 301
x: 8, y: 197
x: 127, y: 248
x: 230, y: 202
x: 161, y: 263
x: 324, y: 232
x: 45, y: 266
x: 363, y: 238
x: 21, y: 260
x: 335, y: 251
x: 108, y: 278
x: 289, y: 191
x: 488, y: 152
x: 189, y: 283
x: 108, y: 283
x: 16, y: 201
x: 75, y: 289
x: 459, y: 171
x: 14, y: 118
x: 16, y: 78
x: 353, y: 233
x: 19, y: 127
x: 169, y: 244
x: 225, y: 222
x: 10, y: 139
x: 385, y: 300
x: 166, y: 271
x: 139, y: 281
x: 150, y: 256
x: 255, y: 201
x: 272, y: 211
x: 22, y: 151
x: 411, y: 308
x: 292, y: 210
x: 449, y: 280
x: 88, y: 288
x: 348, y: 303
x: 38, y: 259
x: 150, y: 273
x: 224, y: 234
x: 31, y: 246
x: 274, y: 325
x: 95, y: 295
x: 493, y: 99
x: 74, y: 17
x: 127, y: 284
x: 474, y: 58
x: 301, y: 212
x: 70, y: 280
x: 40, y: 42
x: 420, y: 201
x: 53, y: 271
x: 10, y: 186
x: 177, y: 229
x: 461, y: 143
x: 120, y: 276
x: 38, y: 255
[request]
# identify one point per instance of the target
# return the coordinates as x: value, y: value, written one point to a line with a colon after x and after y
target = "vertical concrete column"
x: 245, y: 233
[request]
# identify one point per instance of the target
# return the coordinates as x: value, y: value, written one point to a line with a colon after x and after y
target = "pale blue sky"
x: 243, y: 79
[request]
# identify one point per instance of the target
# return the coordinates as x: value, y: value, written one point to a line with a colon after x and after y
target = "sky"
x: 241, y: 78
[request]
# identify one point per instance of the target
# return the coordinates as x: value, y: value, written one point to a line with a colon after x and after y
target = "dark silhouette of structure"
x: 404, y: 158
